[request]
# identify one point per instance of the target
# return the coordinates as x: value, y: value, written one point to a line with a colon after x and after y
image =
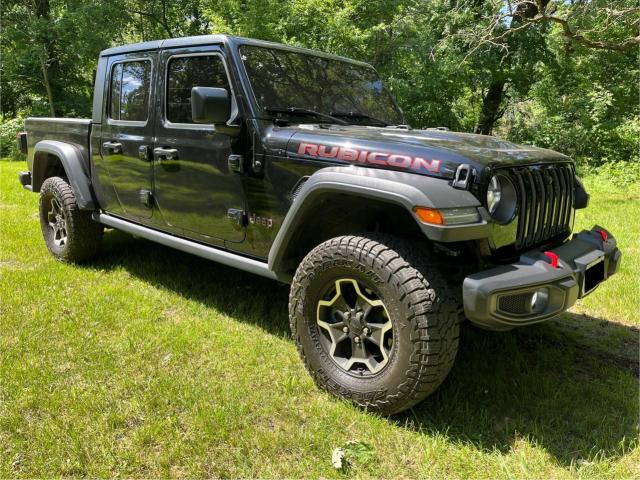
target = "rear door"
x: 127, y: 133
x: 194, y: 188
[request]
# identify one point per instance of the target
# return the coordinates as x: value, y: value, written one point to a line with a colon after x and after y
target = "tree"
x: 560, y: 73
x: 50, y: 50
x: 29, y: 34
x: 593, y: 24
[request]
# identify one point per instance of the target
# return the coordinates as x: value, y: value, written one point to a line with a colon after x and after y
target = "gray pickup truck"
x: 299, y: 166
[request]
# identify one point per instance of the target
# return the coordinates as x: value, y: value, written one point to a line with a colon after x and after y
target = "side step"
x: 204, y: 251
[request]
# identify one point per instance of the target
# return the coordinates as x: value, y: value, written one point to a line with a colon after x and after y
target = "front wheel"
x: 70, y: 233
x: 373, y: 321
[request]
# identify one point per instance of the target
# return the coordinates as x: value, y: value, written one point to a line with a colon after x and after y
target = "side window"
x: 184, y: 73
x: 130, y: 83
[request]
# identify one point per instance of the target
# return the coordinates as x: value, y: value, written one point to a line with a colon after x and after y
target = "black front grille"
x: 545, y: 202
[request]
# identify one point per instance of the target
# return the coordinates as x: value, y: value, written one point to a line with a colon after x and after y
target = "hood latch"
x: 462, y: 178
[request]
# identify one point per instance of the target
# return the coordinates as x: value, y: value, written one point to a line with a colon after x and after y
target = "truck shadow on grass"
x: 573, y: 393
x: 569, y: 386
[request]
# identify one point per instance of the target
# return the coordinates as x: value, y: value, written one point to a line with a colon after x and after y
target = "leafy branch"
x: 522, y: 15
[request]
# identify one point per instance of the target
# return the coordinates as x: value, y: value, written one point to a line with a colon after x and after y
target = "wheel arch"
x: 54, y: 158
x: 350, y: 200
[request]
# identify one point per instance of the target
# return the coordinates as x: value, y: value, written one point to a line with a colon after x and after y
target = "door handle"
x: 165, y: 153
x: 113, y: 147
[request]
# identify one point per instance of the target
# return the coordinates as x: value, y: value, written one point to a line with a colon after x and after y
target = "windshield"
x: 284, y: 79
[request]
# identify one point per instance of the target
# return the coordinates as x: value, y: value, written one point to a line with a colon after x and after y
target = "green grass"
x: 147, y: 362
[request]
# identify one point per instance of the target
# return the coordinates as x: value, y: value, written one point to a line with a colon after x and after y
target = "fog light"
x: 540, y: 300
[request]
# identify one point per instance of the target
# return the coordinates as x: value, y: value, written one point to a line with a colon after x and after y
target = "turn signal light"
x: 429, y: 215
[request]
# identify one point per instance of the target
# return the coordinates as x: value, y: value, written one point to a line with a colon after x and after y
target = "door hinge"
x: 236, y: 163
x: 146, y: 198
x: 237, y: 216
x: 143, y: 153
x: 258, y: 163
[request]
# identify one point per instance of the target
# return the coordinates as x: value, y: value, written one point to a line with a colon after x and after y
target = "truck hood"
x: 429, y: 152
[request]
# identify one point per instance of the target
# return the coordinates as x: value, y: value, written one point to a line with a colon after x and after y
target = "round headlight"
x: 501, y: 199
x: 493, y: 195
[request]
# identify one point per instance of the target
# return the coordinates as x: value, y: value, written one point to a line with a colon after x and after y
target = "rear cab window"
x: 130, y: 87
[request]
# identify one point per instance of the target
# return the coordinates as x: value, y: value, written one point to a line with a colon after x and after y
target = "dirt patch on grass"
x: 14, y: 265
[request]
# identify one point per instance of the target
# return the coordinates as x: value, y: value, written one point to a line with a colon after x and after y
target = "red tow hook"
x: 603, y: 234
x: 553, y: 258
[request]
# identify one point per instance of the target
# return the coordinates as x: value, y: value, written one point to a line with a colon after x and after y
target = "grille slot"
x: 545, y: 202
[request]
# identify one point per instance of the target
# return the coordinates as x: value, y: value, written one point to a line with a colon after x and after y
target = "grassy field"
x: 149, y: 362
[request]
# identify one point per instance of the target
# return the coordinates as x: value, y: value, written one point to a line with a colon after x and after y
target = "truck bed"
x: 76, y: 131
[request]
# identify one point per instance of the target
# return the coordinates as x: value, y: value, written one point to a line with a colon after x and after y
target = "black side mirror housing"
x: 210, y: 105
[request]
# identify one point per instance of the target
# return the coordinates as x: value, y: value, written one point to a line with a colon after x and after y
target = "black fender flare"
x: 404, y: 189
x: 74, y: 164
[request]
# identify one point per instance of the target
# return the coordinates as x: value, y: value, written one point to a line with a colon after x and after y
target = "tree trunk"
x: 492, y: 101
x: 43, y: 11
x: 489, y: 113
x: 47, y: 83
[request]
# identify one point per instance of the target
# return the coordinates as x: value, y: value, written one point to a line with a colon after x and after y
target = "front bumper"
x: 533, y: 290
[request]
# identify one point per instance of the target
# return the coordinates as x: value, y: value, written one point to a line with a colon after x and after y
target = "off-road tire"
x: 424, y: 309
x: 83, y: 235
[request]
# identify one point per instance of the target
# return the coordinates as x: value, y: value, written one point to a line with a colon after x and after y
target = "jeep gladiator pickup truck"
x: 299, y: 166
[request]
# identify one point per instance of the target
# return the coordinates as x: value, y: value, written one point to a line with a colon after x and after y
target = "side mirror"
x: 210, y: 105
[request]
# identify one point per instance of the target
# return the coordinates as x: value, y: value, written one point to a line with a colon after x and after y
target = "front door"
x: 194, y: 188
x: 127, y: 132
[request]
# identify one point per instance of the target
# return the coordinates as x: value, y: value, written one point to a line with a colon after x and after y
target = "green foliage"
x: 353, y: 453
x: 621, y: 174
x: 528, y: 83
x: 50, y: 51
x: 9, y: 127
x: 584, y: 104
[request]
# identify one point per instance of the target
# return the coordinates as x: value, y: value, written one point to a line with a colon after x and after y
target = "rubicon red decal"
x: 370, y: 157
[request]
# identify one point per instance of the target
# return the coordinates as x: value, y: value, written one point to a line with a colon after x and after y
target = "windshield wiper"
x: 305, y: 111
x: 361, y: 115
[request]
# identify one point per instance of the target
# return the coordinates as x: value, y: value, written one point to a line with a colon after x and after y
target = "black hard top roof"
x: 213, y: 39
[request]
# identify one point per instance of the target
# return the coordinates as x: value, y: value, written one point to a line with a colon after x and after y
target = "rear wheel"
x: 373, y: 321
x: 69, y: 233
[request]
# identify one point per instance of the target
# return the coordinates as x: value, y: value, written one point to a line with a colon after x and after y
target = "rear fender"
x: 49, y: 155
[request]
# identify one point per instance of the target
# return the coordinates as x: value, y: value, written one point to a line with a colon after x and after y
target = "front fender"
x: 401, y: 188
x: 47, y: 153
